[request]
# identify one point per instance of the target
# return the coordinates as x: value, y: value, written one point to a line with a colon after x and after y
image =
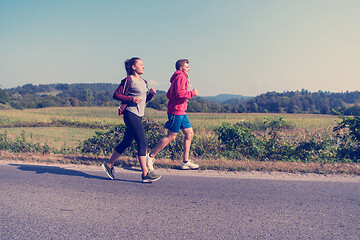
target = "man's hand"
x: 152, y: 91
x: 196, y: 92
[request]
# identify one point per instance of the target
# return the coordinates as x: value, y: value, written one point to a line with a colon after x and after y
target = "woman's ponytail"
x: 128, y: 65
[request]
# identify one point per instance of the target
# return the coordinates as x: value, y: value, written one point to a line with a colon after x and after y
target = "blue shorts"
x: 177, y: 122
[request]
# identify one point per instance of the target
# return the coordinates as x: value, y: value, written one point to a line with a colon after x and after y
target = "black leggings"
x: 134, y: 130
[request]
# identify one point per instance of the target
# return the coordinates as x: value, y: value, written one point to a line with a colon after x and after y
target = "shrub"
x: 20, y: 144
x: 237, y: 141
x: 348, y: 135
x: 103, y: 143
x: 237, y: 138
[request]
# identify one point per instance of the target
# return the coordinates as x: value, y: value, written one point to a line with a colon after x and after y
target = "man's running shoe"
x: 150, y: 162
x: 109, y: 170
x: 189, y: 165
x: 150, y: 177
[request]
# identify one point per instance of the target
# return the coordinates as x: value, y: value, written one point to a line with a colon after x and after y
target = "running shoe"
x: 150, y: 177
x: 150, y: 162
x: 109, y: 170
x: 189, y: 165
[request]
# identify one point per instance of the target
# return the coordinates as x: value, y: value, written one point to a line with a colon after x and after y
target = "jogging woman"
x: 132, y: 92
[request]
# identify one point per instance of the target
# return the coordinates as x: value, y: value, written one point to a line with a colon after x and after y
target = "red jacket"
x: 178, y: 93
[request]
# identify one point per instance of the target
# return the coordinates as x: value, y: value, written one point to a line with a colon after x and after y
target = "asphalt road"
x: 57, y: 202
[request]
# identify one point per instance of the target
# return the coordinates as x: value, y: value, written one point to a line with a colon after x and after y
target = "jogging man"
x: 178, y: 95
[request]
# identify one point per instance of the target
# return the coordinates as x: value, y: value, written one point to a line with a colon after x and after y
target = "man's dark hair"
x: 180, y: 63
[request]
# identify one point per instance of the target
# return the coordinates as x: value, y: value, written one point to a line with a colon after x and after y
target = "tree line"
x: 100, y: 94
x: 304, y: 101
x: 58, y: 95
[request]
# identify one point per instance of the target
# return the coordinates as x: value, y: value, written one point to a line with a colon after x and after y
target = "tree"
x: 197, y: 104
x: 4, y: 96
x: 159, y: 102
x: 88, y: 95
x: 74, y: 102
x: 353, y: 110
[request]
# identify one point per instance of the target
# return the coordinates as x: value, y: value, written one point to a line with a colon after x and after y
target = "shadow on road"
x: 63, y: 171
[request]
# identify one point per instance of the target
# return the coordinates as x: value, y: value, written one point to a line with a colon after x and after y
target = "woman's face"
x: 138, y: 67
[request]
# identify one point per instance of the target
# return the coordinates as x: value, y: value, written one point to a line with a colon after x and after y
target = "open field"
x: 50, y: 116
x: 56, y: 137
x: 78, y: 124
x: 108, y: 115
x: 68, y: 127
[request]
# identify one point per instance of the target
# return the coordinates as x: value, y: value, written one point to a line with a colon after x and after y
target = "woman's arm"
x: 120, y: 93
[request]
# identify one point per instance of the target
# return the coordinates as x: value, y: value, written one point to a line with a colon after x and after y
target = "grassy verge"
x: 214, y: 164
x: 67, y: 127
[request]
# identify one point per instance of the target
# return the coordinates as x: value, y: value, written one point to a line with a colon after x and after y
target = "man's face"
x: 185, y: 68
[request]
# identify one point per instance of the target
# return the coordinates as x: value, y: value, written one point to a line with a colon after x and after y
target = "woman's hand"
x: 137, y: 100
x: 152, y: 91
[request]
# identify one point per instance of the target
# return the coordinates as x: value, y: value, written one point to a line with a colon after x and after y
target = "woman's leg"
x: 113, y: 158
x: 125, y: 143
x: 142, y: 161
x: 140, y: 139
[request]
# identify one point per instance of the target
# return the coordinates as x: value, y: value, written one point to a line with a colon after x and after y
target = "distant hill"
x: 100, y: 94
x: 226, y: 98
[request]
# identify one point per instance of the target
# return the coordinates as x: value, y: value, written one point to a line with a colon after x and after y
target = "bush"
x: 348, y: 135
x: 239, y: 139
x: 20, y: 145
x: 104, y: 143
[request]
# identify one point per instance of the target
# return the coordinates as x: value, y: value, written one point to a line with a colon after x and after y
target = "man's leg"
x: 186, y: 163
x: 163, y: 143
x: 189, y: 134
x: 173, y: 126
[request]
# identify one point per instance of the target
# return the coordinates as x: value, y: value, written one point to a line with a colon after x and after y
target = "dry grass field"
x: 41, y: 125
x: 59, y: 127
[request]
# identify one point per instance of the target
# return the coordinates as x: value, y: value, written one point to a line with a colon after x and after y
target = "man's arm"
x: 181, y: 92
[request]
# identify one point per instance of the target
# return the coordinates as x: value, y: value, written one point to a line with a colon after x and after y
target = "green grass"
x: 32, y: 121
x: 89, y: 115
x: 67, y: 127
x: 56, y: 137
x: 108, y: 115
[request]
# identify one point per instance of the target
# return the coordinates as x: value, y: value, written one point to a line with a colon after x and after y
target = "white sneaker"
x: 150, y: 162
x: 189, y: 165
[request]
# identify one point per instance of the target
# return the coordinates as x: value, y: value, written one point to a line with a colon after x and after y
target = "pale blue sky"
x: 236, y: 47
